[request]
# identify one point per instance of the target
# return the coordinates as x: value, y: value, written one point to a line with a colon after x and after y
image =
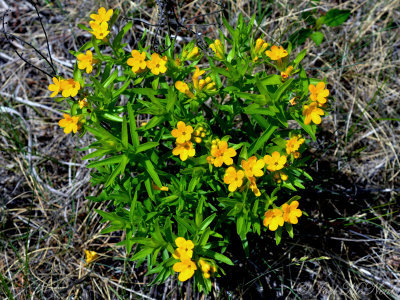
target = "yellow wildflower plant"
x: 90, y: 256
x: 222, y: 154
x: 275, y: 162
x: 273, y: 218
x: 184, y: 150
x: 137, y: 61
x: 157, y: 64
x: 276, y: 53
x: 291, y: 212
x: 253, y: 167
x: 99, y: 30
x: 218, y: 49
x: 312, y: 113
x: 70, y: 87
x: 183, y: 132
x: 234, y: 178
x: 102, y: 16
x: 185, y: 269
x: 184, y: 88
x: 69, y: 123
x: 153, y: 118
x: 85, y: 61
x: 293, y: 144
x: 318, y: 93
x: 56, y: 87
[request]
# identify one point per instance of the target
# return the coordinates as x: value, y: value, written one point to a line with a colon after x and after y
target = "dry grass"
x: 349, y: 244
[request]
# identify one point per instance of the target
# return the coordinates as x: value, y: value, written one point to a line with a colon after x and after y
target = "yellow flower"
x: 99, y: 30
x: 185, y: 268
x: 218, y: 49
x: 194, y: 54
x: 273, y: 219
x: 312, y: 113
x: 137, y: 61
x: 276, y: 53
x: 318, y: 92
x: 285, y: 74
x: 184, y: 88
x: 292, y: 101
x: 222, y: 154
x: 85, y: 61
x: 90, y: 256
x: 70, y: 123
x: 279, y: 176
x: 103, y: 16
x: 206, y: 268
x: 296, y: 154
x: 184, y: 250
x: 253, y: 167
x: 184, y: 150
x: 182, y: 133
x: 56, y: 87
x: 293, y: 144
x: 157, y: 64
x: 70, y: 87
x: 196, y: 75
x: 253, y: 187
x: 233, y: 178
x: 275, y: 162
x: 291, y: 212
x: 156, y: 188
x: 259, y: 48
x: 82, y: 103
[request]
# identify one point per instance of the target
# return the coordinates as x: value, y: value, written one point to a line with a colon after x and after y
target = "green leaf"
x: 300, y: 36
x: 317, y: 37
x: 132, y: 126
x: 271, y: 80
x: 143, y: 253
x: 117, y: 40
x: 152, y: 172
x: 289, y: 229
x: 335, y: 17
x: 254, y: 108
x: 217, y: 256
x: 185, y: 224
x: 207, y: 222
x: 118, y: 170
x: 96, y: 48
x: 146, y: 146
x: 260, y: 142
x: 110, y: 79
x: 299, y: 58
x: 171, y: 99
x: 278, y: 235
x: 107, y: 161
x: 124, y: 133
x: 282, y: 89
